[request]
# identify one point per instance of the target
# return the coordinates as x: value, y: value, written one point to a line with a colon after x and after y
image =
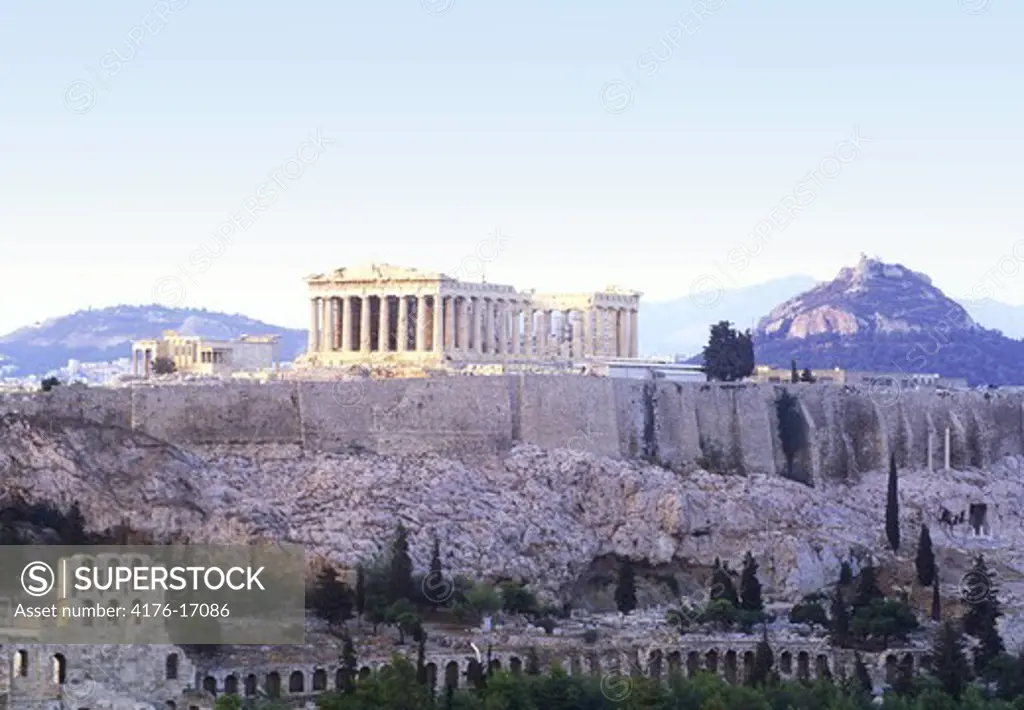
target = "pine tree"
x: 840, y: 621
x: 330, y: 598
x: 401, y: 586
x: 349, y: 666
x: 764, y: 661
x: 845, y: 574
x: 861, y: 675
x: 794, y: 376
x: 625, y: 591
x: 750, y: 585
x: 936, y: 600
x: 925, y: 559
x: 892, y: 507
x: 360, y: 590
x: 949, y: 661
x: 722, y: 586
x: 867, y: 588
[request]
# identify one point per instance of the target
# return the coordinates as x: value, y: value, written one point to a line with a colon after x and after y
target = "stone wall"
x: 730, y: 427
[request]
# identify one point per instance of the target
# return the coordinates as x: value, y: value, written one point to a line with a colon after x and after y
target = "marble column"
x: 314, y: 325
x: 545, y: 328
x: 346, y: 324
x: 587, y: 332
x: 382, y: 324
x: 576, y: 318
x: 622, y: 324
x: 635, y: 333
x: 421, y: 324
x: 437, y: 324
x: 364, y: 324
x: 502, y: 327
x: 479, y: 316
x: 488, y: 325
x: 327, y: 341
x: 528, y: 329
x: 403, y: 324
x: 463, y: 337
x: 449, y: 323
x: 516, y: 345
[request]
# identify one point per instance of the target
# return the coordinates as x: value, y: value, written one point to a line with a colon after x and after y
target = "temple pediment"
x: 378, y: 272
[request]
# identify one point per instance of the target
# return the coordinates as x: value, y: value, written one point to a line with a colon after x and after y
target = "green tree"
x: 868, y: 590
x: 625, y: 590
x: 517, y: 599
x: 924, y: 561
x: 839, y: 627
x: 750, y: 585
x: 764, y: 662
x: 483, y: 598
x: 349, y: 666
x: 330, y: 598
x: 48, y: 384
x: 401, y: 567
x: 949, y: 661
x: 884, y: 619
x: 722, y: 586
x: 792, y: 432
x: 794, y: 375
x: 983, y: 612
x: 845, y: 574
x: 809, y: 611
x: 164, y: 366
x: 729, y: 354
x: 892, y: 507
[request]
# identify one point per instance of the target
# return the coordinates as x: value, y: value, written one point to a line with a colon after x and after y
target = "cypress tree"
x: 949, y: 661
x: 349, y: 666
x: 794, y: 376
x: 892, y: 507
x: 982, y: 616
x: 867, y: 588
x: 625, y: 591
x: 925, y: 559
x: 401, y: 567
x: 845, y: 574
x: 750, y: 585
x: 436, y: 575
x: 840, y: 621
x: 722, y: 586
x: 764, y: 660
x: 936, y: 601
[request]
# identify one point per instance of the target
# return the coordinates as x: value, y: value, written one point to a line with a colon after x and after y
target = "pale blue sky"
x: 485, y: 115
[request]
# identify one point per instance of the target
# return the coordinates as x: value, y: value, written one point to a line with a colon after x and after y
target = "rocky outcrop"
x: 544, y: 515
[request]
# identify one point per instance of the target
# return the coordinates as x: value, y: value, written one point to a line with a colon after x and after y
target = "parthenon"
x: 386, y: 313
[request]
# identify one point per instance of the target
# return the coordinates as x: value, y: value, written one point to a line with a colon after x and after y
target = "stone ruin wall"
x: 732, y: 427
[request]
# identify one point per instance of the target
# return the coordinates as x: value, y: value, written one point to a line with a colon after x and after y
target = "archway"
x: 297, y: 682
x: 515, y: 665
x: 821, y: 662
x: 319, y: 680
x: 431, y: 676
x: 786, y: 663
x: 451, y: 675
x: 654, y: 661
x: 251, y: 683
x: 594, y: 664
x: 171, y: 667
x: 803, y: 666
x: 21, y: 663
x: 711, y: 661
x: 749, y: 660
x: 692, y: 663
x: 730, y: 666
x: 210, y: 685
x: 231, y: 685
x: 273, y: 685
x: 60, y: 669
x: 365, y: 673
x: 494, y: 666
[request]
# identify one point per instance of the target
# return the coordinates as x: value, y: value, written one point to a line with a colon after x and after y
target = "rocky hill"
x: 886, y: 318
x: 98, y: 335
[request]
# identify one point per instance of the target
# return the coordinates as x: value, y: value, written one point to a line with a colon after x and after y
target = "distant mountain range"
x: 680, y: 326
x: 884, y: 317
x: 104, y: 334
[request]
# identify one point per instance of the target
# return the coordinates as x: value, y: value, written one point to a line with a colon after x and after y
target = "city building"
x: 839, y: 376
x: 193, y: 354
x: 650, y: 369
x: 380, y: 313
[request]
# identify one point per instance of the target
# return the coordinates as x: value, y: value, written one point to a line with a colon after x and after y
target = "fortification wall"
x: 729, y: 427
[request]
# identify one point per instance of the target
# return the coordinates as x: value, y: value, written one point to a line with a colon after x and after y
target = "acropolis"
x: 395, y: 315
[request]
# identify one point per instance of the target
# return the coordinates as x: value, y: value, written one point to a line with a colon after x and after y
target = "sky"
x: 214, y: 154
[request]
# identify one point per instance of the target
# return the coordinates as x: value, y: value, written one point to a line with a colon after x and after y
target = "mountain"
x: 680, y: 326
x: 998, y: 316
x: 97, y: 335
x: 886, y: 318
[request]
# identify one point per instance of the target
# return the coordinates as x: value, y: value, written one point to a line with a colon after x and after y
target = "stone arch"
x: 675, y: 662
x: 231, y: 685
x: 654, y: 663
x: 365, y: 672
x: 20, y: 669
x: 749, y: 660
x: 171, y: 667
x: 692, y: 663
x: 251, y: 685
x: 494, y: 666
x: 821, y: 666
x: 575, y: 665
x: 515, y: 665
x: 730, y: 666
x: 891, y: 666
x: 339, y: 679
x: 451, y: 674
x: 210, y: 685
x: 594, y: 664
x: 319, y: 680
x: 907, y: 662
x: 711, y: 661
x: 60, y: 669
x: 431, y: 670
x: 803, y: 665
x: 786, y: 663
x: 273, y: 685
x: 297, y: 682
x: 474, y: 672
